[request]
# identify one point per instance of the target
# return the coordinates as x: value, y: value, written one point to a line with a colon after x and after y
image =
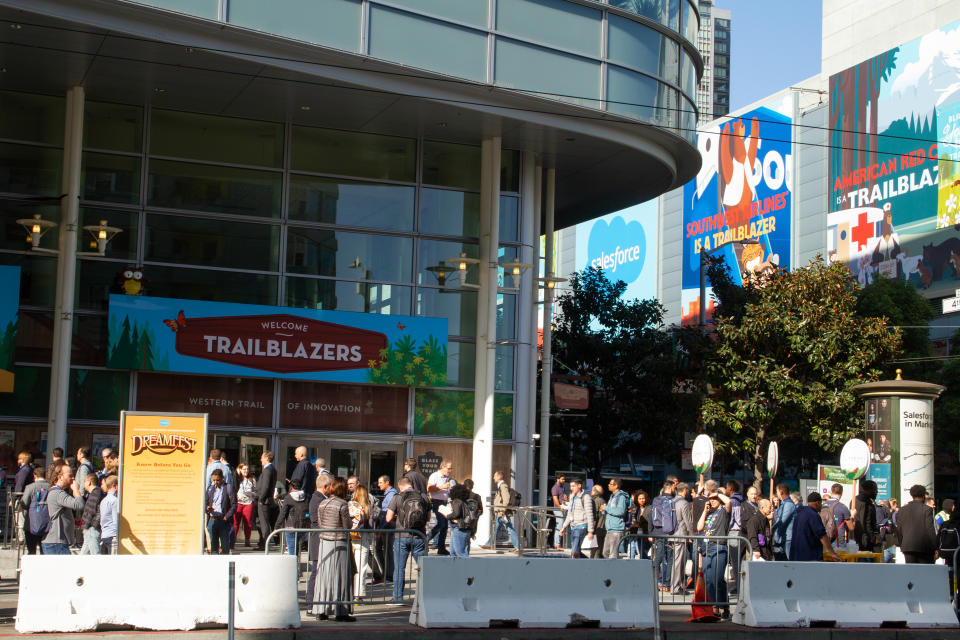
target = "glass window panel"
x: 640, y: 46
x: 31, y: 393
x: 217, y: 286
x: 180, y: 185
x: 449, y: 213
x: 442, y: 412
x: 332, y: 23
x: 203, y: 8
x: 451, y: 165
x: 216, y: 138
x: 458, y: 307
x: 471, y: 11
x: 503, y: 416
x: 124, y: 244
x: 13, y: 236
x: 325, y: 252
x: 34, y: 337
x: 110, y: 178
x: 688, y: 122
x: 30, y: 170
x: 504, y: 367
x: 116, y: 127
x: 461, y: 364
x: 339, y: 295
x: 38, y: 278
x: 509, y: 170
x: 98, y: 395
x: 555, y: 22
x: 433, y: 252
x: 642, y: 97
x: 348, y: 153
x: 506, y: 316
x: 690, y: 75
x: 665, y: 12
x: 90, y: 340
x: 427, y: 44
x: 212, y: 243
x: 96, y: 280
x: 509, y: 218
x: 691, y: 25
x: 31, y: 117
x: 382, y: 206
x: 559, y: 76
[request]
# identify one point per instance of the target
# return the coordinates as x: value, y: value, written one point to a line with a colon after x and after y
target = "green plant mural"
x: 134, y: 348
x: 450, y: 413
x: 405, y: 364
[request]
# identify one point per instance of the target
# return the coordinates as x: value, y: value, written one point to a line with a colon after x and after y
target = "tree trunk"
x: 758, y: 461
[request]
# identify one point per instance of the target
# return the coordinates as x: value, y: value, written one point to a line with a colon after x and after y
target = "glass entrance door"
x: 366, y: 460
x: 382, y: 463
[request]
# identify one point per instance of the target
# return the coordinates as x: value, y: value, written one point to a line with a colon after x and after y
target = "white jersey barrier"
x: 844, y: 594
x: 77, y: 593
x: 534, y: 592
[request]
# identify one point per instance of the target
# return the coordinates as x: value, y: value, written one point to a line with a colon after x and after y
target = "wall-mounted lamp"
x: 514, y: 268
x: 36, y: 227
x: 440, y: 272
x: 461, y: 263
x: 102, y: 234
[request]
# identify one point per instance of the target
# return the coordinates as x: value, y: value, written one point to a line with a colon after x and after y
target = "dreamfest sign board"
x: 624, y: 245
x: 742, y: 192
x: 192, y: 336
x: 894, y: 179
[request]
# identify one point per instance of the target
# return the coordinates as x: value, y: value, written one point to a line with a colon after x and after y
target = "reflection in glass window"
x: 435, y: 252
x: 13, y: 236
x: 358, y: 204
x: 449, y: 213
x: 95, y: 280
x: 212, y: 243
x: 98, y: 395
x: 338, y: 295
x: 30, y: 170
x: 360, y: 256
x: 641, y: 47
x: 504, y: 367
x: 347, y: 153
x: 461, y: 364
x: 113, y: 127
x: 180, y: 185
x: 197, y: 136
x: 38, y: 278
x: 90, y: 340
x: 217, y: 286
x: 34, y: 337
x: 691, y: 25
x: 110, y: 178
x: 31, y: 117
x: 509, y: 218
x: 458, y: 307
x: 509, y: 170
x: 121, y: 246
x: 506, y: 316
x: 451, y: 165
x: 31, y: 394
x: 665, y: 12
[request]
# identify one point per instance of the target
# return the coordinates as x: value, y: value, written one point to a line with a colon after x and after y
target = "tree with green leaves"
x: 904, y: 307
x: 631, y: 363
x: 787, y: 366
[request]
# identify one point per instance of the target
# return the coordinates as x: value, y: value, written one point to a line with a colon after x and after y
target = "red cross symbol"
x: 863, y: 231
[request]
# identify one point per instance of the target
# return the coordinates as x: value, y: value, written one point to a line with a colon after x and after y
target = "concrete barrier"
x: 805, y: 594
x: 78, y: 593
x: 534, y: 592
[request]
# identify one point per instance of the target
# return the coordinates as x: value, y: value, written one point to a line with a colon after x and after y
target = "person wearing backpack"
x: 410, y: 510
x: 463, y: 517
x: 664, y: 523
x: 30, y: 493
x: 60, y: 508
x: 503, y: 498
x: 580, y: 518
x: 836, y: 518
x: 948, y: 540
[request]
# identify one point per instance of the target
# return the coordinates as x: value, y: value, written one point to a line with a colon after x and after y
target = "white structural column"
x: 547, y: 360
x: 66, y: 271
x: 535, y: 322
x: 524, y: 413
x: 483, y: 411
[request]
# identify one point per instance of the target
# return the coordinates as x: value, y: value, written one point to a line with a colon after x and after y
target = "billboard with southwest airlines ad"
x: 894, y: 203
x: 743, y: 192
x: 624, y: 245
x: 219, y: 338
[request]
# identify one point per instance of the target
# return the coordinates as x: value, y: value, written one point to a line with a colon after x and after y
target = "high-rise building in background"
x: 713, y: 40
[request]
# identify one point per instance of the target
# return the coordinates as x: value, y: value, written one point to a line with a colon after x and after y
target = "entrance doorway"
x: 366, y: 460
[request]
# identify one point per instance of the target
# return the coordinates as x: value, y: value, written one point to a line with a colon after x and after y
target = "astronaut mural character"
x: 738, y: 207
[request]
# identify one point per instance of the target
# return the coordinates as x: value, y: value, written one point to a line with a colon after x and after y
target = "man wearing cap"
x: 810, y: 539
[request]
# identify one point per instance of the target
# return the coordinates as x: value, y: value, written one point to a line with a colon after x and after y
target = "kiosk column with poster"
x: 162, y: 458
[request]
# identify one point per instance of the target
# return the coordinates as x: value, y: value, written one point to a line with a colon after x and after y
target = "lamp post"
x: 703, y: 275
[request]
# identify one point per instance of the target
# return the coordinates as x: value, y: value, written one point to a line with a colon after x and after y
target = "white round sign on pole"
x: 702, y: 453
x: 773, y: 459
x: 855, y: 459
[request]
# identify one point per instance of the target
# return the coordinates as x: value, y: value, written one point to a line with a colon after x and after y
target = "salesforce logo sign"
x: 618, y: 248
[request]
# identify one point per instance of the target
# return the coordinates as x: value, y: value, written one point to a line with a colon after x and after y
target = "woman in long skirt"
x: 334, y: 588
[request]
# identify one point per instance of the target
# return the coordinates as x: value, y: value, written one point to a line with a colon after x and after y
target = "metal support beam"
x: 547, y: 360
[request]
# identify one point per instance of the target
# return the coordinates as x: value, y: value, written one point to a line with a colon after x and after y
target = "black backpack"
x: 39, y: 514
x: 948, y: 540
x: 471, y: 511
x: 515, y: 498
x: 413, y: 511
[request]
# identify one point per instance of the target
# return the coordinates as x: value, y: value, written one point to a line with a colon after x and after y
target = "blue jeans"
x: 890, y: 554
x: 577, y: 534
x: 439, y: 531
x: 403, y: 547
x: 715, y: 563
x: 55, y: 549
x: 662, y: 559
x: 218, y: 531
x: 460, y: 543
x: 504, y: 521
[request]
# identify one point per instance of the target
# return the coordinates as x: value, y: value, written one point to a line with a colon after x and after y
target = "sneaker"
x: 442, y: 552
x: 345, y: 618
x: 484, y: 546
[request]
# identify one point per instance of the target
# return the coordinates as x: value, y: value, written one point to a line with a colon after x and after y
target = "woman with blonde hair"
x: 360, y: 508
x: 333, y: 591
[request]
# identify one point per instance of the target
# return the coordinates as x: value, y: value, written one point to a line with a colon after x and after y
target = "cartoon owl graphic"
x: 131, y: 281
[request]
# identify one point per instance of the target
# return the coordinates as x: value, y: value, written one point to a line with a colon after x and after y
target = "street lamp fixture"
x: 550, y: 281
x: 461, y: 262
x: 703, y: 274
x: 440, y: 272
x: 36, y: 227
x: 514, y: 268
x: 102, y: 234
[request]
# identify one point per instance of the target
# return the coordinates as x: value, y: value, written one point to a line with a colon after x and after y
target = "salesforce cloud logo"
x: 618, y: 248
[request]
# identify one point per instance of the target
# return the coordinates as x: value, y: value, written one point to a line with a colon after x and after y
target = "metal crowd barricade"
x: 376, y: 545
x: 10, y: 500
x: 711, y: 555
x: 542, y: 521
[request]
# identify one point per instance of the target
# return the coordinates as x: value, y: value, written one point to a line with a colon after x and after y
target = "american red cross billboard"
x: 194, y: 336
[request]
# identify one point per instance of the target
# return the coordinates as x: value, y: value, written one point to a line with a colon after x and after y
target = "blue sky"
x: 774, y: 44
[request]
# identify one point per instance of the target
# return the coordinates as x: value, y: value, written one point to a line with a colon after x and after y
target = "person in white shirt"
x: 438, y: 486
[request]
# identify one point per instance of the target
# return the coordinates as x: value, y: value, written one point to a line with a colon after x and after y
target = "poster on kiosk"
x: 162, y: 493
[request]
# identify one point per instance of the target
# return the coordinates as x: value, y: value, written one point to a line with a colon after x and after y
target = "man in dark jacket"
x: 756, y: 529
x: 918, y: 537
x: 417, y: 480
x: 948, y: 540
x: 304, y: 473
x: 865, y: 530
x: 24, y: 477
x: 266, y: 506
x: 220, y: 509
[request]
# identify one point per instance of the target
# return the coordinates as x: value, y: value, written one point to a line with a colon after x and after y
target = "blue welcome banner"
x: 222, y: 338
x: 9, y: 303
